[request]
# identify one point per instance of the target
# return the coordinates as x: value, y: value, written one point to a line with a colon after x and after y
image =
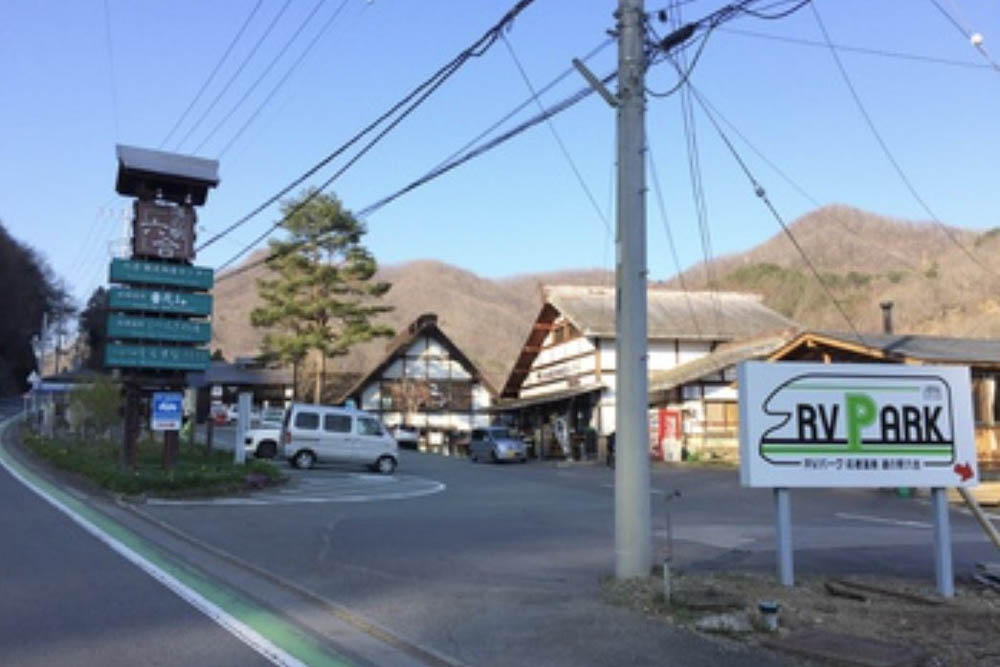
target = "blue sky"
x: 518, y: 208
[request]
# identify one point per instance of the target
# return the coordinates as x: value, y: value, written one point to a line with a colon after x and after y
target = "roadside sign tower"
x: 159, y: 306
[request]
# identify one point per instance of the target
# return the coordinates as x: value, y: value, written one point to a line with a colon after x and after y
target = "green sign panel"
x: 148, y: 328
x: 159, y: 301
x: 119, y: 355
x: 160, y: 273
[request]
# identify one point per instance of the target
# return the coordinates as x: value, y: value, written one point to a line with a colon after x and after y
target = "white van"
x: 329, y: 434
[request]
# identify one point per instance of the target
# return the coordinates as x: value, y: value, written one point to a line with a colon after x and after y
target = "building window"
x: 721, y: 415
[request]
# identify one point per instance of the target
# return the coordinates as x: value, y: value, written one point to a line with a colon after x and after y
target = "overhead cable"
x: 974, y: 38
x: 215, y: 70
x: 421, y: 93
x: 233, y: 77
x: 267, y: 70
x: 888, y: 154
x: 555, y: 135
x: 284, y: 78
x: 855, y: 49
x: 762, y: 195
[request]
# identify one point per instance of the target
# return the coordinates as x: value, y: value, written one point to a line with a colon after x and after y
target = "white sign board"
x: 855, y: 425
x: 168, y: 411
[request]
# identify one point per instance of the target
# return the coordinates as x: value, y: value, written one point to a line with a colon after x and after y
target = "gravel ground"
x: 962, y: 631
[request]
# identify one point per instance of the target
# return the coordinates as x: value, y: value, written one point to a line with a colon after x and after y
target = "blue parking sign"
x: 168, y: 411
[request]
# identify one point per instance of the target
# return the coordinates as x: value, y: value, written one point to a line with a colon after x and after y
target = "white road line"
x: 879, y: 519
x: 240, y: 630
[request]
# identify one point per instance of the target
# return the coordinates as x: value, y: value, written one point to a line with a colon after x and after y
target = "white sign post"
x: 242, y: 426
x: 857, y: 425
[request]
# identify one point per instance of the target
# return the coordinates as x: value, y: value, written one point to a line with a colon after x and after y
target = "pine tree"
x: 322, y: 298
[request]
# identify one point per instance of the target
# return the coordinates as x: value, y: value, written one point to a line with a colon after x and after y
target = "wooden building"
x: 696, y: 404
x: 425, y: 381
x: 562, y: 385
x: 981, y: 355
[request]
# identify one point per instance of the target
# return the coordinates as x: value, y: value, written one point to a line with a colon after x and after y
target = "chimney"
x: 886, y: 317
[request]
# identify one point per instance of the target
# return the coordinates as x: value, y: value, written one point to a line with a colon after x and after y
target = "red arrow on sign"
x: 964, y: 470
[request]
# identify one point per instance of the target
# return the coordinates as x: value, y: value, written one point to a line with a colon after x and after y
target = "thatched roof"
x: 671, y: 313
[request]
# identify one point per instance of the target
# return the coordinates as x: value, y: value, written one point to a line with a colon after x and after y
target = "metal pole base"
x: 942, y: 544
x: 783, y: 536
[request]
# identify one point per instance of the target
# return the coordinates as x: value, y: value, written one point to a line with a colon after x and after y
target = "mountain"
x: 488, y: 319
x: 941, y: 281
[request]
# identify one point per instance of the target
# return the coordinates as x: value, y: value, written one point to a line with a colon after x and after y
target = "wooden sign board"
x: 163, y: 231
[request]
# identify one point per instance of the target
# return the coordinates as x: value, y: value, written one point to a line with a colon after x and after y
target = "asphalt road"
x: 503, y: 566
x: 70, y: 600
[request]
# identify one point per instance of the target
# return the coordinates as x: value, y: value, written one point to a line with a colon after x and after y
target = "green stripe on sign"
x: 845, y: 387
x: 279, y: 632
x: 900, y: 450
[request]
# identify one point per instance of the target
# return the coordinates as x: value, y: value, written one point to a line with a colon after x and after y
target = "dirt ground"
x: 963, y: 631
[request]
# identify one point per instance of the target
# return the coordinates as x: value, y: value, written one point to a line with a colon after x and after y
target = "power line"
x: 215, y: 70
x: 239, y: 70
x: 445, y: 71
x: 438, y: 171
x: 555, y: 135
x: 974, y: 38
x: 421, y: 92
x: 457, y: 159
x: 762, y: 195
x: 267, y: 70
x: 284, y: 78
x: 856, y: 49
x: 657, y: 189
x: 885, y: 148
x: 679, y: 61
x: 702, y: 100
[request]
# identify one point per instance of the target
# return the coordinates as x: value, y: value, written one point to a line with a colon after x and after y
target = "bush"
x: 194, y: 473
x: 95, y: 408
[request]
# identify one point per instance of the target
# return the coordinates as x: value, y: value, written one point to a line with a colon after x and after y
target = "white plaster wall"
x: 662, y: 355
x: 562, y: 350
x: 722, y: 393
x: 606, y: 346
x: 693, y: 349
x: 480, y: 397
x: 544, y: 389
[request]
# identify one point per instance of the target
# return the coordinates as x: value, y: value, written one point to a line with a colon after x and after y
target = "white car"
x: 329, y: 434
x: 262, y: 439
x: 406, y: 436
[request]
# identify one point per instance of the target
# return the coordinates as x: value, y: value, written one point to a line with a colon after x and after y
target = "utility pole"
x: 633, y: 549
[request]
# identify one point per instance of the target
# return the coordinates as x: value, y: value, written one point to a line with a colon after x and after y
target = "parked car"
x: 262, y: 439
x: 330, y: 434
x: 406, y: 436
x: 496, y: 444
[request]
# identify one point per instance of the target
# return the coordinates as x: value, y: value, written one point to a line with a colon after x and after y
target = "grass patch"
x: 194, y: 474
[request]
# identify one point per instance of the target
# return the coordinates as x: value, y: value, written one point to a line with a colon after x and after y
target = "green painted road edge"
x: 273, y: 637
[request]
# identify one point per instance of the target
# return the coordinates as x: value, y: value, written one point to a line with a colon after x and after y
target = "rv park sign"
x: 856, y: 425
